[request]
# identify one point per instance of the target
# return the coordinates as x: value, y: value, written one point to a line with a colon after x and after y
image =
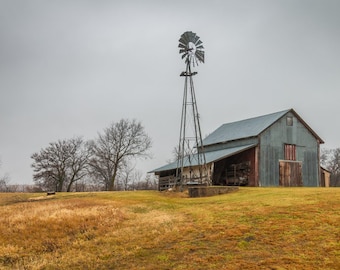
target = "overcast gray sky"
x: 70, y: 68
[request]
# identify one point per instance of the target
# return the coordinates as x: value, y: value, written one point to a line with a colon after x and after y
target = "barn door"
x: 291, y: 174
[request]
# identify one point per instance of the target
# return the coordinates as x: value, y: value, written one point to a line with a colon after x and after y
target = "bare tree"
x: 330, y: 158
x: 126, y: 174
x: 324, y: 157
x: 136, y: 178
x: 149, y: 182
x: 119, y: 143
x: 78, y: 161
x: 58, y: 166
x: 4, y: 181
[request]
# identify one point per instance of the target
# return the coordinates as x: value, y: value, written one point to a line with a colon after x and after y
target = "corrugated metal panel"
x: 243, y: 129
x: 209, y: 156
x: 310, y: 169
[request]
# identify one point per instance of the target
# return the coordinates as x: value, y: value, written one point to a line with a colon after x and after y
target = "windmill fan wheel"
x: 191, y: 48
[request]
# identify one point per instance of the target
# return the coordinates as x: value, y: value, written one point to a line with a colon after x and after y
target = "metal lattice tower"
x: 190, y: 148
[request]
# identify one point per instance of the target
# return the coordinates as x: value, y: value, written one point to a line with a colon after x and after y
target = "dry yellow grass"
x: 254, y: 228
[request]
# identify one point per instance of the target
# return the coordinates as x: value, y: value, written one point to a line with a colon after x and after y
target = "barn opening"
x: 235, y: 170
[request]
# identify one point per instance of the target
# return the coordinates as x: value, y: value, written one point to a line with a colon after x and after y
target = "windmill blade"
x: 184, y: 38
x: 200, y: 56
x: 199, y: 42
x: 191, y: 36
x: 181, y: 45
x: 183, y: 41
x: 196, y: 39
x: 199, y: 50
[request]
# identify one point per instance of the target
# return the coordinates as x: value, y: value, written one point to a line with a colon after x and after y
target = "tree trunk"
x: 113, y: 178
x: 59, y: 186
x: 69, y: 187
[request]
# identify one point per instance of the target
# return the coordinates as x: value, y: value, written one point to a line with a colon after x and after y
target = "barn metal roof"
x: 250, y: 128
x: 211, y: 156
x: 243, y: 129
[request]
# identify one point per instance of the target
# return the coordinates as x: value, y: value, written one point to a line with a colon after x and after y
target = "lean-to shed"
x: 277, y: 149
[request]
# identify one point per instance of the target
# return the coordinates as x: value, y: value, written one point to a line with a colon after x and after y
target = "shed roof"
x: 211, y: 156
x: 249, y: 128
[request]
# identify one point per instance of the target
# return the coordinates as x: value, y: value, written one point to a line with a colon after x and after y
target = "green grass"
x: 254, y: 228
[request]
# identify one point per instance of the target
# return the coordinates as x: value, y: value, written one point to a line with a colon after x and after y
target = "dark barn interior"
x: 237, y: 170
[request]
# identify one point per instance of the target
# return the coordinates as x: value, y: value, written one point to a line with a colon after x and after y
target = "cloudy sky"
x: 70, y: 68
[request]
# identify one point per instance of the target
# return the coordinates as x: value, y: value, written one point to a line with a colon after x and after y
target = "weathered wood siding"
x: 192, y: 174
x: 271, y: 150
x: 325, y: 178
x: 290, y: 173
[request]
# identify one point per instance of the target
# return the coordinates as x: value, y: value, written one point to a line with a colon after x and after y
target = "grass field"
x: 253, y: 228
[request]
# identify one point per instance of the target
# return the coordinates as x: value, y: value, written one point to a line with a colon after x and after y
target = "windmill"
x: 190, y: 147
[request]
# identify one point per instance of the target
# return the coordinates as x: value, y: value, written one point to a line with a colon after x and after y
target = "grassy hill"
x: 254, y: 228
